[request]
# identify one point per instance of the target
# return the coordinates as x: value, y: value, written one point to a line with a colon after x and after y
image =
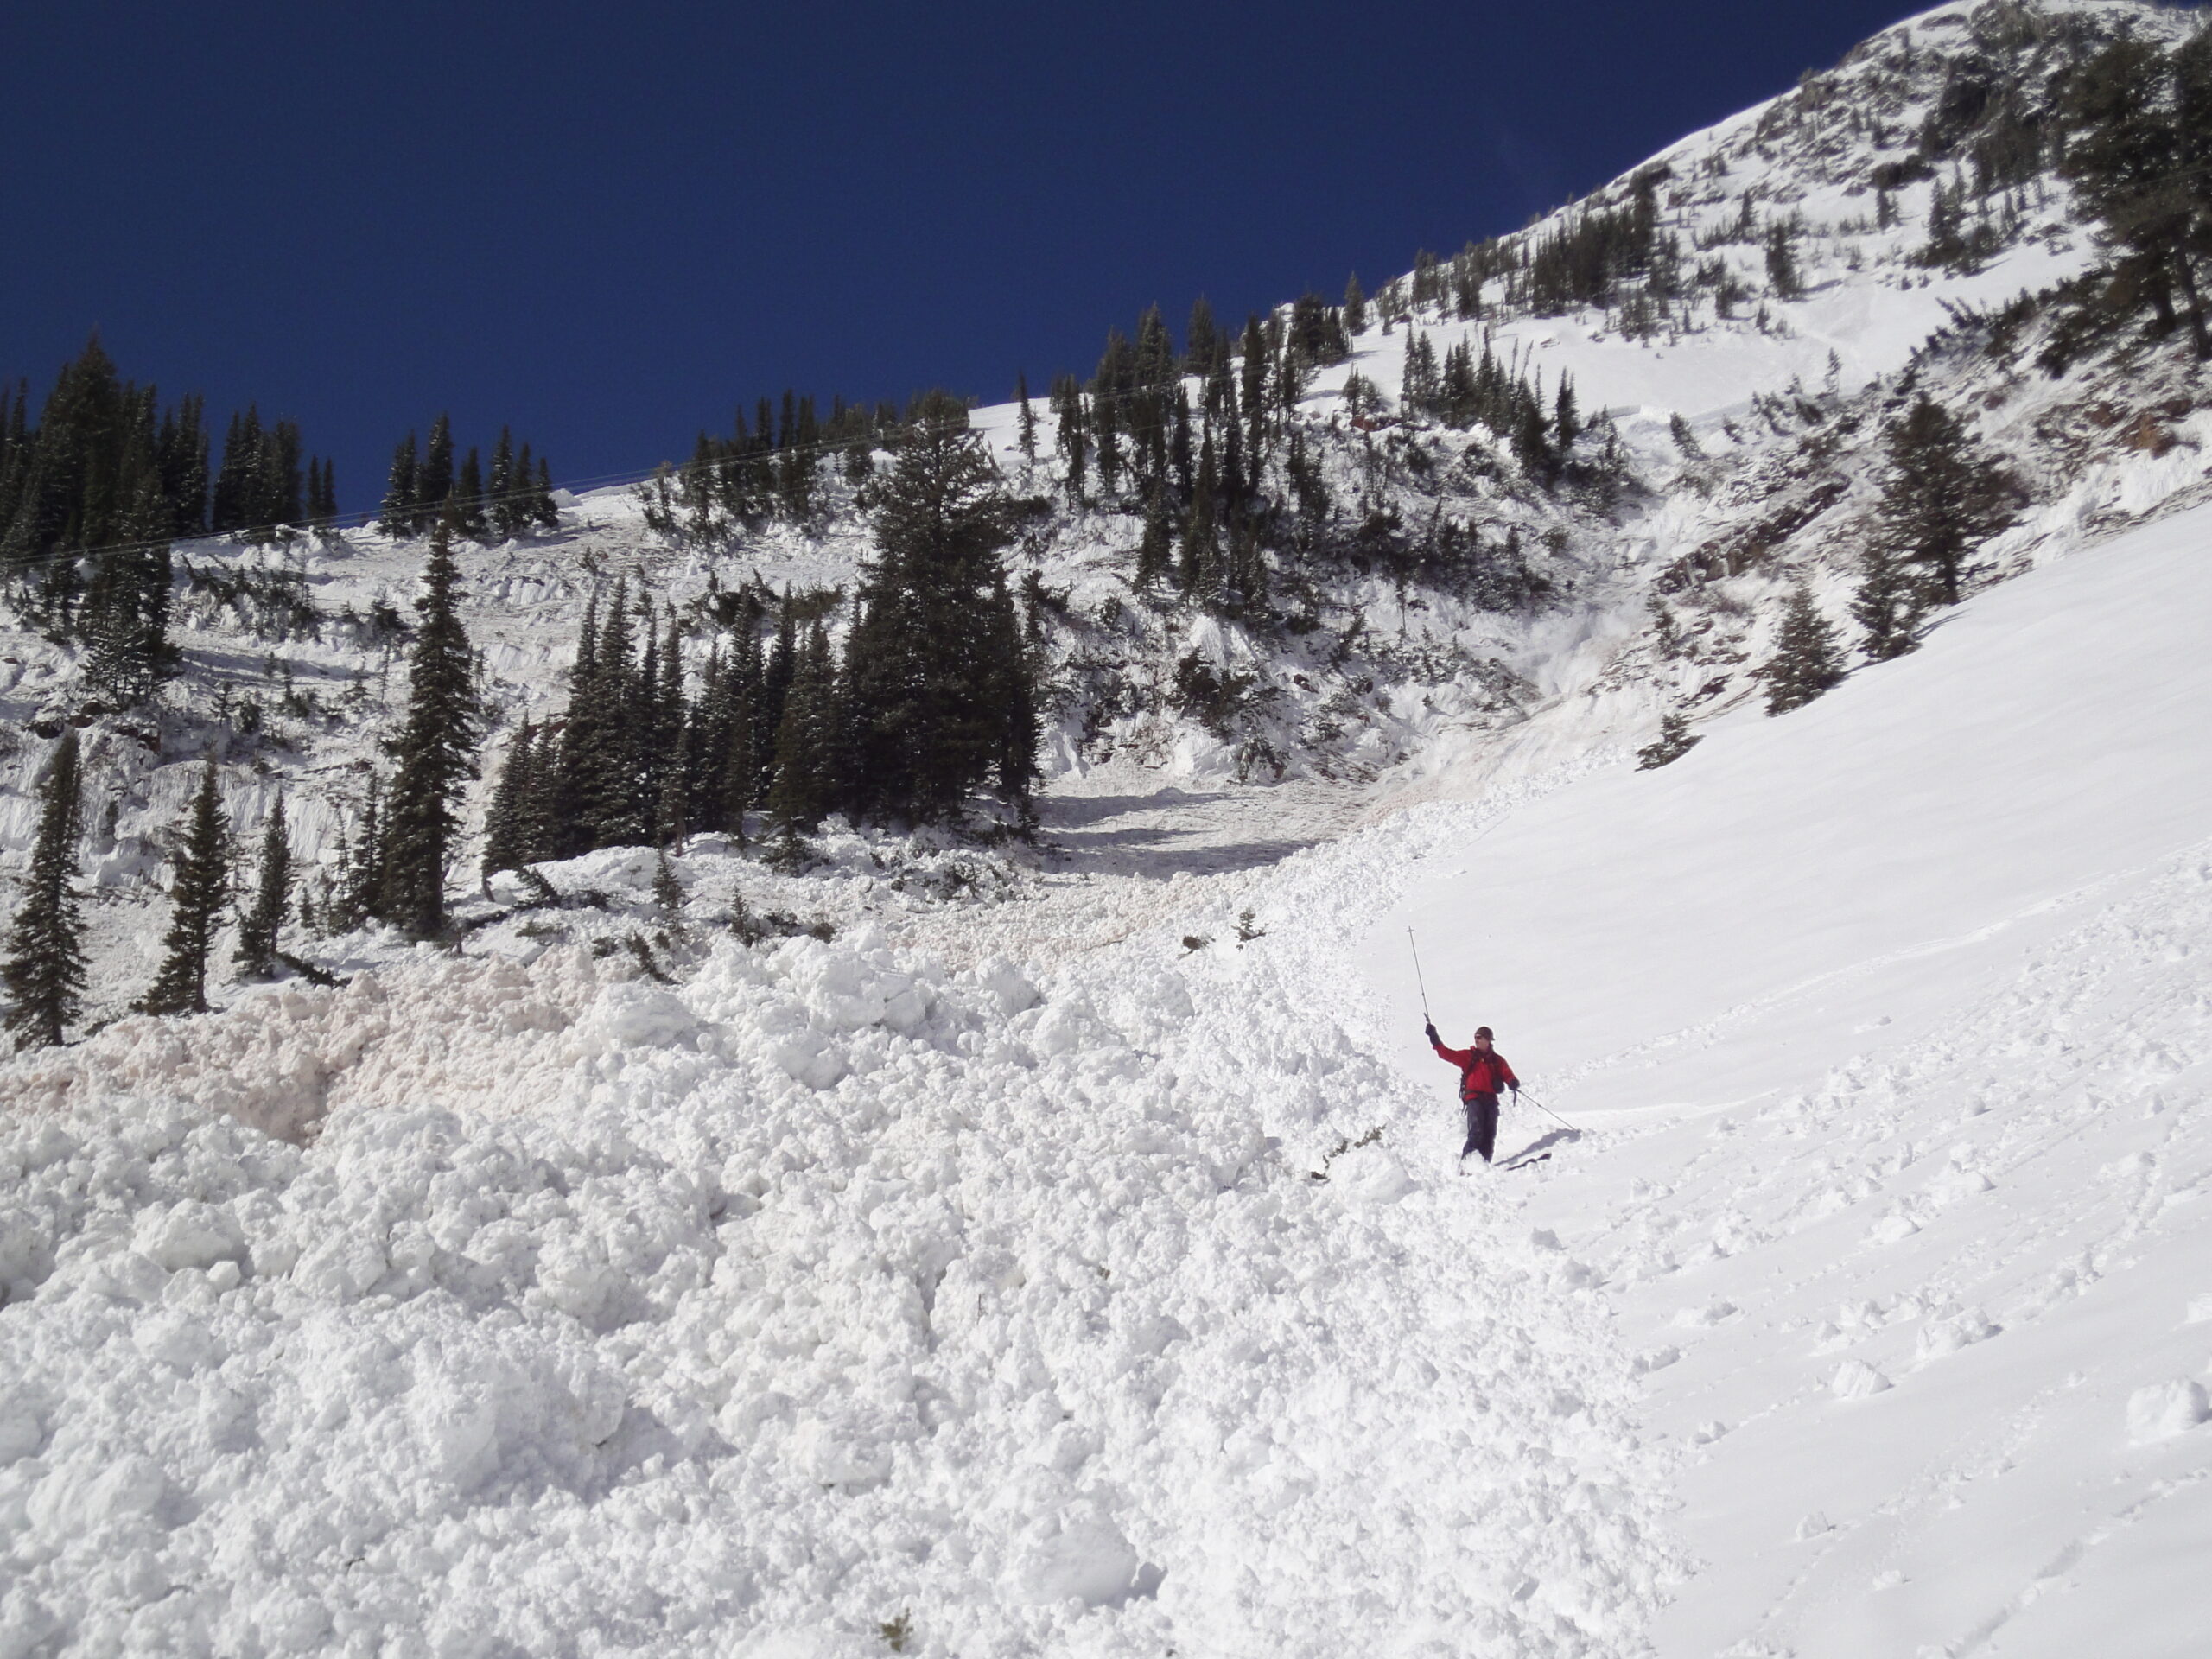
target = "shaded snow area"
x: 1888, y: 1025
x: 830, y: 1289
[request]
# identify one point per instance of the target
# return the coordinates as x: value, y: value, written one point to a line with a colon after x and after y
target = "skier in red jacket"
x: 1483, y: 1072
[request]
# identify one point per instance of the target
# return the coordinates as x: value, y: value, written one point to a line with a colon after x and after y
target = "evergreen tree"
x: 196, y: 901
x: 505, y: 502
x: 261, y: 929
x: 1943, y: 497
x: 920, y: 668
x: 360, y: 866
x: 1782, y: 263
x: 506, y: 821
x: 1674, y: 742
x: 1011, y: 687
x: 44, y: 970
x: 805, y: 741
x: 668, y: 891
x: 2139, y: 157
x: 402, y: 496
x: 1071, y: 434
x: 468, y: 494
x: 434, y: 482
x: 1356, y: 306
x: 1154, y: 543
x: 1028, y: 417
x: 1201, y: 569
x: 1806, y: 661
x: 1206, y: 350
x: 1887, y: 606
x: 125, y: 618
x: 436, y: 752
x: 547, y: 510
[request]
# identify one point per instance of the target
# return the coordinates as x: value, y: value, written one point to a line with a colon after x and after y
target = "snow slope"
x: 829, y: 1291
x: 1888, y: 1022
x: 965, y: 1284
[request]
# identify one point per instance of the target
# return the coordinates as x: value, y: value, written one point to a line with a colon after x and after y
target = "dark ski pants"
x: 1482, y: 1125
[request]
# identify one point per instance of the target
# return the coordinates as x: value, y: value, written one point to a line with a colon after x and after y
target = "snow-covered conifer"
x: 436, y: 751
x: 44, y: 970
x: 197, y: 896
x: 261, y: 928
x: 1806, y: 661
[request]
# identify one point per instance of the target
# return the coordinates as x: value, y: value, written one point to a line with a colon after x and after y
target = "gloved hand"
x: 1516, y: 1088
x: 1431, y: 1030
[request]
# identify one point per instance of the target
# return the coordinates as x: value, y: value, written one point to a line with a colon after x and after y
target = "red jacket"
x: 1479, y: 1073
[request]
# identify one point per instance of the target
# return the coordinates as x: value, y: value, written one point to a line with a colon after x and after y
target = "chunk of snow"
x: 2164, y: 1410
x: 1856, y: 1380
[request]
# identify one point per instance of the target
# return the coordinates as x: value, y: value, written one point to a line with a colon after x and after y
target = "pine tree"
x: 468, y: 492
x: 1806, y: 661
x: 1887, y: 606
x: 920, y: 682
x: 402, y: 497
x: 1354, y: 305
x: 1943, y: 497
x: 1154, y: 543
x: 1012, y: 690
x: 668, y: 891
x: 1782, y: 263
x: 2138, y: 155
x: 1205, y: 353
x: 44, y: 970
x: 1673, y: 743
x: 196, y: 901
x: 547, y: 510
x: 1028, y: 417
x: 505, y: 821
x: 261, y: 928
x: 505, y: 498
x: 803, y: 788
x: 434, y: 482
x: 435, y: 754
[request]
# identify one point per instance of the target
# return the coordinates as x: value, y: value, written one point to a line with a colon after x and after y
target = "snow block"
x: 1078, y: 1555
x: 1856, y: 1380
x: 2164, y: 1410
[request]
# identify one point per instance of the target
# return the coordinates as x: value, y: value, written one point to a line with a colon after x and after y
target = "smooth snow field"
x: 968, y: 1290
x: 1890, y: 1020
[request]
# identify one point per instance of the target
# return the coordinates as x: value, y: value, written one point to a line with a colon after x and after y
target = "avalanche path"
x: 833, y: 1298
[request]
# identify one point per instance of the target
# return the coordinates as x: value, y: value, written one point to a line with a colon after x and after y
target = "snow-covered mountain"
x: 1065, y: 1254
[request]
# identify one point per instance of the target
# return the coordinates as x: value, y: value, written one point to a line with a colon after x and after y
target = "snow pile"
x: 1887, y: 1019
x: 830, y: 1289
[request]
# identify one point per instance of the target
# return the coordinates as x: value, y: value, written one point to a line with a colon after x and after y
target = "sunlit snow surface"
x: 1890, y: 1022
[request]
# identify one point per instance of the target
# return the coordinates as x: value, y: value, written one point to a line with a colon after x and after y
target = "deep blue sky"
x: 607, y: 225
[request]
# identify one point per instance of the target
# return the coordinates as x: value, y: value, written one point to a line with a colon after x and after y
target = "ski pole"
x: 1415, y: 948
x: 1546, y: 1110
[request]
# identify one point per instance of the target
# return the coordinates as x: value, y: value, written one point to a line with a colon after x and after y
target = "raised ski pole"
x: 1410, y: 945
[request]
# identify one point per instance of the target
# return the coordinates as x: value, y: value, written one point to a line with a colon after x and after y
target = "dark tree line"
x: 426, y: 486
x: 1464, y: 392
x: 767, y: 470
x: 932, y: 699
x: 106, y: 466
